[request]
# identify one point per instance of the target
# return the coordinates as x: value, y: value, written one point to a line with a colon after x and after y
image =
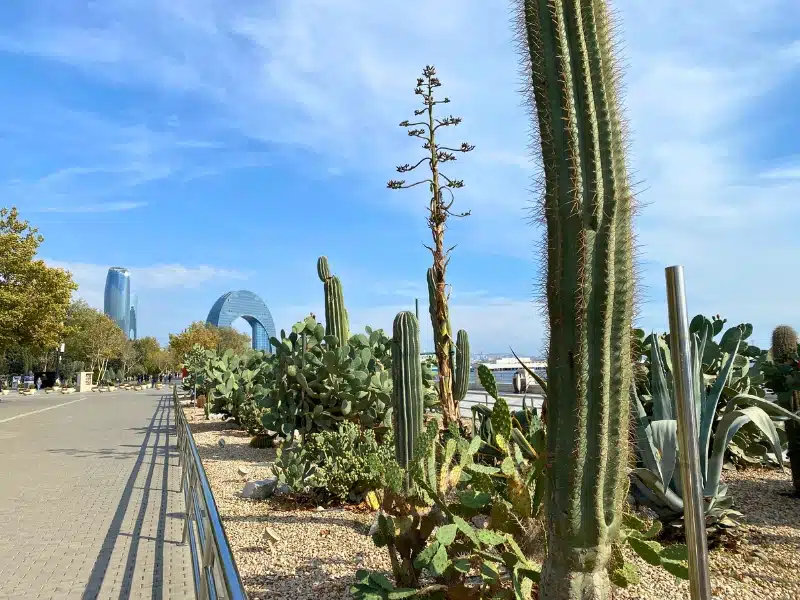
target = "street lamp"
x: 58, y: 367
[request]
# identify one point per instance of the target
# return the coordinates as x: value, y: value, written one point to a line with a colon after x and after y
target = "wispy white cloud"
x: 91, y: 277
x: 336, y: 77
x: 95, y: 208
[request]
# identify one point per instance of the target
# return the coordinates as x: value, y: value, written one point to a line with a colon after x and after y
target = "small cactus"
x: 784, y: 346
x: 408, y: 392
x: 784, y: 342
x: 336, y: 319
x: 461, y: 367
x: 323, y: 270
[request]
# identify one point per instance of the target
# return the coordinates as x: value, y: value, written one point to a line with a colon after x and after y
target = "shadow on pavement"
x: 160, y: 424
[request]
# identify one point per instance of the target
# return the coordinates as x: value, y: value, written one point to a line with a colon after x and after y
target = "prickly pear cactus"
x: 487, y: 380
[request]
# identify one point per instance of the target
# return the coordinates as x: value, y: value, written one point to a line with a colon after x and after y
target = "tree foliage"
x: 199, y: 332
x: 208, y: 337
x: 147, y: 349
x: 230, y: 339
x: 33, y: 297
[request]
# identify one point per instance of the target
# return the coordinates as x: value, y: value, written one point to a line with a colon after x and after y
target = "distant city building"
x: 132, y: 323
x: 117, y: 300
x: 251, y: 308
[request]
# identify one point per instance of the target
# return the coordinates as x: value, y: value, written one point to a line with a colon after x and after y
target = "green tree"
x: 33, y: 297
x: 79, y: 320
x: 127, y: 358
x: 230, y: 339
x: 147, y: 349
x: 106, y: 341
x: 198, y: 332
x: 164, y: 361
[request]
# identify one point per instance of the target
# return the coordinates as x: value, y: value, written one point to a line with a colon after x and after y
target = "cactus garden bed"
x: 318, y: 552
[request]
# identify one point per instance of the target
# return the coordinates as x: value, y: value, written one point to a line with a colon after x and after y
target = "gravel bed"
x: 318, y: 552
x: 766, y: 563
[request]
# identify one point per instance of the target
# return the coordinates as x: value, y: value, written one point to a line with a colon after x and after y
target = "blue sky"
x: 210, y: 145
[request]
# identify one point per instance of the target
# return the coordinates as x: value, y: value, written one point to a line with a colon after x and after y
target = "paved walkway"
x: 89, y: 501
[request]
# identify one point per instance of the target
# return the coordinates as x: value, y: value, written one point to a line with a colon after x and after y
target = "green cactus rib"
x: 407, y: 380
x: 587, y: 209
x: 323, y: 270
x: 336, y: 319
x: 461, y: 368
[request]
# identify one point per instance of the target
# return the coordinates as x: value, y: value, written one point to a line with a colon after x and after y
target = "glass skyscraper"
x: 117, y: 301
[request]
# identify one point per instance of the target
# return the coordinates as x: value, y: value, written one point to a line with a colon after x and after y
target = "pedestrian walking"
x: 38, y: 383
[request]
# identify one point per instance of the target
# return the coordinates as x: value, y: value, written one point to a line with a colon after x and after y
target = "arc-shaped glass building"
x: 117, y: 301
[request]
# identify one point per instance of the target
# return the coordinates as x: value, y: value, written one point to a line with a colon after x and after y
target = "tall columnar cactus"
x: 336, y: 319
x: 784, y: 346
x: 408, y: 391
x: 461, y: 367
x: 586, y: 207
x: 454, y: 377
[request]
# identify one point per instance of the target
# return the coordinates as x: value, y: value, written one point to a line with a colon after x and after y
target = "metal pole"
x: 416, y: 307
x: 689, y: 453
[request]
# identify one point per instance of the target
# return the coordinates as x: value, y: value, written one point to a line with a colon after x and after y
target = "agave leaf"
x: 644, y: 435
x: 665, y: 441
x: 727, y: 428
x: 768, y: 407
x: 709, y: 409
x: 697, y: 381
x: 662, y: 400
x: 664, y: 500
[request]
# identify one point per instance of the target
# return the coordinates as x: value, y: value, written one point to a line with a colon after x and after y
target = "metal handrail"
x: 215, y: 572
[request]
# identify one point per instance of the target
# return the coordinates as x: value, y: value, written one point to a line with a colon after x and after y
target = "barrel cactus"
x: 407, y: 386
x: 784, y: 342
x: 586, y: 207
x: 336, y: 319
x: 784, y: 348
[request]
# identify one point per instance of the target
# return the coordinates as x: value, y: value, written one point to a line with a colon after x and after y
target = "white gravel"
x: 317, y: 553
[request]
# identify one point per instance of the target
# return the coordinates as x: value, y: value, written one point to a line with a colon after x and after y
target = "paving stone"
x: 84, y: 508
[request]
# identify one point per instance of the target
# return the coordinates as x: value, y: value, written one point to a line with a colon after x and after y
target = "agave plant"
x: 748, y: 446
x: 657, y: 483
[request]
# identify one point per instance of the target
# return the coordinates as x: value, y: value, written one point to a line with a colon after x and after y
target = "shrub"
x: 341, y: 465
x: 350, y: 462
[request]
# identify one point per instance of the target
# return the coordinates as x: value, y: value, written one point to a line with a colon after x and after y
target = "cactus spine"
x: 407, y: 380
x: 587, y: 209
x: 784, y: 347
x: 336, y: 319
